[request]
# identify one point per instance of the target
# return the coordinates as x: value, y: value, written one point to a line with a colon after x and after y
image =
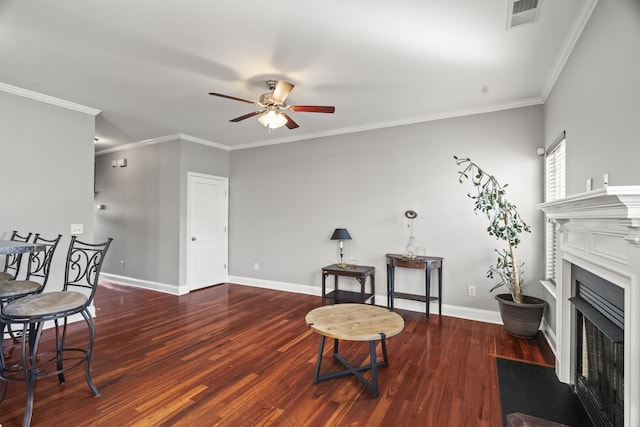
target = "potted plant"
x: 521, y: 314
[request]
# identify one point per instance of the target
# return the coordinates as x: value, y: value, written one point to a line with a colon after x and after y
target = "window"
x: 554, y: 189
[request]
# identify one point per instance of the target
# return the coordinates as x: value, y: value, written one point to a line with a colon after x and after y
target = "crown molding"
x: 48, y: 99
x: 569, y: 43
x: 139, y: 144
x: 161, y: 139
x: 403, y: 122
x: 197, y: 140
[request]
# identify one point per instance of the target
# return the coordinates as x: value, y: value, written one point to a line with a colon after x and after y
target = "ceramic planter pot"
x: 522, y: 320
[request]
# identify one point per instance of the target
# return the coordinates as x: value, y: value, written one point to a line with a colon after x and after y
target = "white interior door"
x: 207, y: 246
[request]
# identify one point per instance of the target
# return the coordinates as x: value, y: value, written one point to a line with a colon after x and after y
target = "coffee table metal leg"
x: 319, y: 361
x: 355, y: 371
x: 374, y: 369
x: 383, y: 341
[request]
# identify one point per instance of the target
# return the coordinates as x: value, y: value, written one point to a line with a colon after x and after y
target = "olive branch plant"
x: 505, y: 223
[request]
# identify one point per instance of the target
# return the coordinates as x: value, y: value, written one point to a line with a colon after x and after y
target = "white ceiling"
x: 148, y: 65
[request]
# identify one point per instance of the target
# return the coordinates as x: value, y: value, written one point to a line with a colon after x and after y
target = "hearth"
x: 599, y: 340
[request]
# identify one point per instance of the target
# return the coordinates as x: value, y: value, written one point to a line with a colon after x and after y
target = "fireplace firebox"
x: 599, y: 364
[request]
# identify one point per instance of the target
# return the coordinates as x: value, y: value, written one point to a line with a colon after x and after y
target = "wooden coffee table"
x: 354, y: 322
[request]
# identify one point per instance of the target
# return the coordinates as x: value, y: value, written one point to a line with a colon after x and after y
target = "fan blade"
x: 246, y: 116
x: 290, y: 123
x: 282, y: 90
x: 234, y: 98
x: 313, y: 108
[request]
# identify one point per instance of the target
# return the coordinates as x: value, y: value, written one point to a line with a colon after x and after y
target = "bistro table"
x: 14, y: 249
x: 355, y: 322
x: 11, y: 247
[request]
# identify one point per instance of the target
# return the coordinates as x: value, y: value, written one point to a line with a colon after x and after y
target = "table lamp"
x: 341, y: 234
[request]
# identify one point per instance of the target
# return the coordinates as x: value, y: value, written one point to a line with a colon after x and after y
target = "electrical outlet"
x: 471, y: 290
x: 605, y: 179
x: 122, y: 265
x: 256, y: 266
x: 77, y: 229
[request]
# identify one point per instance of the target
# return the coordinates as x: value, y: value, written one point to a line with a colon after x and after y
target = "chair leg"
x: 3, y: 393
x: 30, y: 364
x: 59, y: 349
x: 87, y: 364
x: 13, y: 334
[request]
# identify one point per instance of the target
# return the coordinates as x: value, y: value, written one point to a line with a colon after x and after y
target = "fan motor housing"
x: 267, y: 99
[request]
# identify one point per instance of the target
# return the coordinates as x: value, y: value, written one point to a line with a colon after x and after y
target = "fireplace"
x: 599, y: 341
x: 599, y: 237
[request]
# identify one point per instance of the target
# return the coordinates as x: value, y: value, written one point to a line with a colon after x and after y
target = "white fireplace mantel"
x: 599, y: 231
x: 620, y: 202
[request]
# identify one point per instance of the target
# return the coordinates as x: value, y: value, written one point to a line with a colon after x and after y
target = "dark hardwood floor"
x: 234, y: 355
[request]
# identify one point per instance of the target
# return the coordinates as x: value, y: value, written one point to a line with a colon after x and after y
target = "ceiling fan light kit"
x: 273, y: 104
x: 272, y: 120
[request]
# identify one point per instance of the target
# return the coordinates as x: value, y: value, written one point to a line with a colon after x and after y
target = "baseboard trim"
x: 417, y: 306
x: 145, y: 284
x: 550, y: 336
x: 468, y: 313
x: 276, y: 286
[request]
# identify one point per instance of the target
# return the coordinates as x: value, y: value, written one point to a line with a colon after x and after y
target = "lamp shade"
x: 340, y: 234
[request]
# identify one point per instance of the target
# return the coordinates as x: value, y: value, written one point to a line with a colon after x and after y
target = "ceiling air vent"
x: 522, y: 12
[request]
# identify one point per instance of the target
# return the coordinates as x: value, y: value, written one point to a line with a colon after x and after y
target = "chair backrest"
x: 12, y: 261
x: 40, y: 262
x: 84, y: 262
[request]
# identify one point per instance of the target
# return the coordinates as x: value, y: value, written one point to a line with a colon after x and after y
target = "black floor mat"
x: 535, y: 390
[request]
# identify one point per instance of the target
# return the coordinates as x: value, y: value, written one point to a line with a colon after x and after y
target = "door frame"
x: 188, y: 234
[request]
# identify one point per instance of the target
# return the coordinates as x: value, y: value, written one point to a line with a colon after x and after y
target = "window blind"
x: 555, y: 188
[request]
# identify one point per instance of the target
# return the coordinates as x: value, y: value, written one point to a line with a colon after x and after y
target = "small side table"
x: 354, y: 322
x: 426, y: 263
x: 358, y: 272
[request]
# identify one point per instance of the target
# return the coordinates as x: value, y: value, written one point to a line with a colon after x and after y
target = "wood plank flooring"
x: 233, y: 355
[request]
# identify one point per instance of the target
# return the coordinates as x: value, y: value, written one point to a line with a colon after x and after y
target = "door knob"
x: 193, y: 239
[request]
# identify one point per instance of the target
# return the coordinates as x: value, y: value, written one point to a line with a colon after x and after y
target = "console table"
x: 358, y: 272
x: 426, y: 263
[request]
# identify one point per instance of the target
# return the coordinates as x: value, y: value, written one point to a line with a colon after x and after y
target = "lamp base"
x: 345, y: 265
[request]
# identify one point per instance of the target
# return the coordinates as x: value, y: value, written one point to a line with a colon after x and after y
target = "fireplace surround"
x: 599, y: 232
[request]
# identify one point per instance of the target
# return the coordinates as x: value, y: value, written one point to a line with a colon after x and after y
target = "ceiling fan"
x: 272, y: 106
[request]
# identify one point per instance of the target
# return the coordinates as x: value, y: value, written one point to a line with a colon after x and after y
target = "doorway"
x: 207, y: 222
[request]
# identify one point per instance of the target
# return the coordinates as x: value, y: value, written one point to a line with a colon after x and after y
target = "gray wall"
x: 597, y: 99
x: 145, y: 207
x: 47, y: 163
x: 285, y: 201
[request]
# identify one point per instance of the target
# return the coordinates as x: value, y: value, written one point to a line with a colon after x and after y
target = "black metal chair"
x: 12, y: 261
x: 83, y: 265
x: 38, y: 269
